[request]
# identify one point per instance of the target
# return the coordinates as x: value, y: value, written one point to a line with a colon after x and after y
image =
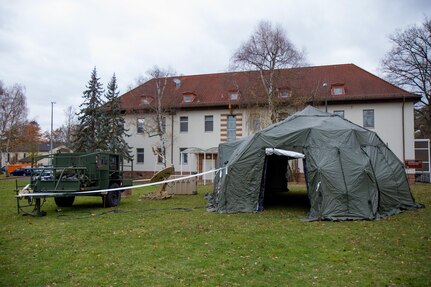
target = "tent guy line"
x: 25, y: 192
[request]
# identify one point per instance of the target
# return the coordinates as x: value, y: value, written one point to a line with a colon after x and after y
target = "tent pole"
x: 204, y: 169
x: 212, y: 167
x: 181, y: 162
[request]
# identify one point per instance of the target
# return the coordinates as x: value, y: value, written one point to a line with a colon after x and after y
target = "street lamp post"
x: 52, y: 120
x: 326, y: 97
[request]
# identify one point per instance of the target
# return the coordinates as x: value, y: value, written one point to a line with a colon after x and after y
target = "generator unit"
x: 75, y: 174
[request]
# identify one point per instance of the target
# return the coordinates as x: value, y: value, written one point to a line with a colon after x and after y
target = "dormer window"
x: 177, y: 83
x: 337, y: 90
x: 284, y: 93
x: 146, y: 100
x: 233, y: 96
x: 188, y: 98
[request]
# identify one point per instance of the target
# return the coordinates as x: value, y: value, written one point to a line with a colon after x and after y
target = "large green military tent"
x: 350, y: 173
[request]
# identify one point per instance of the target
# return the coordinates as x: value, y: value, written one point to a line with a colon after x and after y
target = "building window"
x: 140, y: 155
x: 184, y: 124
x: 145, y: 100
x: 284, y: 93
x: 255, y: 123
x: 159, y: 155
x: 337, y: 90
x: 188, y: 98
x: 184, y: 157
x: 140, y: 126
x: 163, y: 124
x: 339, y: 113
x: 368, y: 118
x: 231, y: 128
x: 233, y: 96
x: 177, y: 83
x: 209, y: 123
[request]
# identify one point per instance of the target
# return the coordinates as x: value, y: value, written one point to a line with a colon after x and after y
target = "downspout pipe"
x: 172, y: 138
x: 403, y: 128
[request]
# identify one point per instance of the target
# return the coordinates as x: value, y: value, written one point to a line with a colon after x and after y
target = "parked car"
x: 42, y: 174
x: 21, y: 172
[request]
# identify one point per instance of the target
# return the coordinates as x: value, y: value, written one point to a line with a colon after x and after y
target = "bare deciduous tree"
x: 267, y: 50
x: 65, y: 133
x: 408, y: 65
x: 139, y: 80
x: 13, y: 114
x: 157, y: 126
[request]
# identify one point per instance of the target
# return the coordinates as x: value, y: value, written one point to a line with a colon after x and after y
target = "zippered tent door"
x: 274, y: 176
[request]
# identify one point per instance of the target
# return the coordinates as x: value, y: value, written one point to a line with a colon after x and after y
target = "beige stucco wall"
x: 388, y: 119
x: 388, y: 125
x: 195, y: 137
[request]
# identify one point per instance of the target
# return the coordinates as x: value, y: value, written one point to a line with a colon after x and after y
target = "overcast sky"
x: 51, y: 46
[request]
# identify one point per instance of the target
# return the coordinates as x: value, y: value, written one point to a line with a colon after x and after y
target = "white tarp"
x: 277, y: 151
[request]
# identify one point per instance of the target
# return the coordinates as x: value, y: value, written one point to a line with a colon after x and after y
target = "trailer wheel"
x: 66, y: 201
x: 113, y: 198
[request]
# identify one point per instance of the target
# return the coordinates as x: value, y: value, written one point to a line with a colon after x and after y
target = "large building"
x: 201, y: 111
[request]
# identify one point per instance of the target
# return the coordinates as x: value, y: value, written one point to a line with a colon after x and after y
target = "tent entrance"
x: 275, y: 174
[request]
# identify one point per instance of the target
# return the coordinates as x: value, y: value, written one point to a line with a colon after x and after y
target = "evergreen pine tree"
x: 87, y: 137
x: 115, y: 130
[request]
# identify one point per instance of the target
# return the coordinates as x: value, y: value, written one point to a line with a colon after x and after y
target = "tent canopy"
x: 350, y: 173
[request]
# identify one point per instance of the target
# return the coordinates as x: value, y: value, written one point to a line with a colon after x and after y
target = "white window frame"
x: 140, y: 152
x: 366, y: 113
x: 231, y: 128
x: 233, y: 96
x: 184, y: 157
x: 159, y: 157
x: 284, y: 93
x: 184, y: 124
x: 209, y: 119
x: 188, y: 98
x: 140, y: 125
x: 339, y: 113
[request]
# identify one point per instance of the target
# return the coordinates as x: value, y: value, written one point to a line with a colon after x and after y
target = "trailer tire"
x: 66, y: 201
x: 113, y: 198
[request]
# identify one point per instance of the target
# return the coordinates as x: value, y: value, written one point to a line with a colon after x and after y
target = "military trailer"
x: 75, y: 174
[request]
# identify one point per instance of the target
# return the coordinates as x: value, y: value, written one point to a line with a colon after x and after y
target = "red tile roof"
x: 212, y: 90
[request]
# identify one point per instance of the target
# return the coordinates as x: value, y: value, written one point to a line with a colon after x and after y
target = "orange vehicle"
x: 12, y: 167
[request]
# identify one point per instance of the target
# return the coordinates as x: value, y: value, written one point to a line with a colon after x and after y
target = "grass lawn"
x: 175, y: 242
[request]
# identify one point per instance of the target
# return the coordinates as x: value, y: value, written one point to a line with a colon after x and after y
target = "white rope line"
x: 105, y: 191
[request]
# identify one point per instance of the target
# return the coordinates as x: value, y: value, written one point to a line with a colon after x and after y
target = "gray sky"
x: 51, y: 46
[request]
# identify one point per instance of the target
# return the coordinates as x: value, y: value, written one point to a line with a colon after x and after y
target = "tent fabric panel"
x: 326, y: 190
x: 362, y: 190
x: 243, y: 180
x: 394, y: 190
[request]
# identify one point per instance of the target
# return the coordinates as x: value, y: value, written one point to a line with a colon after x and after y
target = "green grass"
x: 175, y: 242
